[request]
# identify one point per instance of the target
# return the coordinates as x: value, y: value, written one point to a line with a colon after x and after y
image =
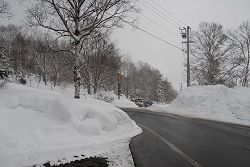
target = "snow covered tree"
x: 5, y: 8
x: 101, y: 61
x: 76, y: 19
x: 3, y: 62
x: 19, y: 53
x: 7, y: 36
x: 157, y: 93
x: 169, y: 92
x: 240, y: 39
x: 127, y: 68
x: 212, y: 60
x: 50, y: 60
x: 147, y: 83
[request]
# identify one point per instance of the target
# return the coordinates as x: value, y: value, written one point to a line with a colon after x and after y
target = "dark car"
x: 141, y: 103
x: 3, y: 74
x: 148, y: 103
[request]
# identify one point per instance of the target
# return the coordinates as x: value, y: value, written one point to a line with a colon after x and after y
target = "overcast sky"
x: 168, y: 59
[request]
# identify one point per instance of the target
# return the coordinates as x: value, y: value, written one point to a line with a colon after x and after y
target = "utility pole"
x: 185, y: 34
x: 119, y: 85
x: 181, y: 87
x: 188, y: 65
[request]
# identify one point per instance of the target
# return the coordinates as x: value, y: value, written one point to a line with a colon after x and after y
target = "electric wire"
x: 160, y: 25
x: 157, y: 37
x: 168, y: 12
x: 165, y: 16
x: 159, y: 14
x: 158, y: 53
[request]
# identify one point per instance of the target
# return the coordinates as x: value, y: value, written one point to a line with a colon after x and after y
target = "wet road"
x: 169, y: 140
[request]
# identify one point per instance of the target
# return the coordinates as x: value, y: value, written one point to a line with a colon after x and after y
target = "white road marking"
x: 189, y: 159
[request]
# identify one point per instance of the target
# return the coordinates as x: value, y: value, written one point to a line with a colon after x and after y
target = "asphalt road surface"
x: 169, y: 140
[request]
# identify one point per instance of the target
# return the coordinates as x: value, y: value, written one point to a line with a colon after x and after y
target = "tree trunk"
x: 95, y: 88
x: 245, y: 82
x: 44, y: 78
x: 248, y: 61
x: 77, y: 71
x: 90, y: 88
x: 44, y: 70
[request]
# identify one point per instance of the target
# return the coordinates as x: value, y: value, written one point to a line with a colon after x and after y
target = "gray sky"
x: 168, y: 59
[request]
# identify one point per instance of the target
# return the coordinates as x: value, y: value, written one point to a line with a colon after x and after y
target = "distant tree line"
x: 142, y: 81
x: 75, y: 21
x: 32, y: 54
x: 24, y: 54
x: 73, y: 46
x: 220, y: 57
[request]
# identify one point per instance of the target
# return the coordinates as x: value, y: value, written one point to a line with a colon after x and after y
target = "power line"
x: 160, y: 25
x: 158, y: 14
x: 157, y: 37
x: 168, y: 12
x: 158, y: 53
x: 162, y: 14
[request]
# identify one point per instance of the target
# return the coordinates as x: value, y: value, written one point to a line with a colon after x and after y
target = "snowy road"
x: 169, y: 140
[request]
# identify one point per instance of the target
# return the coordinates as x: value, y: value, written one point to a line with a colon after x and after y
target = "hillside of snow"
x: 39, y: 126
x: 215, y: 102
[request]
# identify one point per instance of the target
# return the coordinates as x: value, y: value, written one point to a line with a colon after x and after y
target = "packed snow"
x: 112, y: 98
x: 39, y: 126
x: 123, y: 102
x: 215, y: 102
x: 43, y: 125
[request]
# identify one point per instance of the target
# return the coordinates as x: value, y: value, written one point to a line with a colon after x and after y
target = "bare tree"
x: 5, y: 8
x: 101, y: 63
x: 168, y: 91
x: 76, y: 19
x: 126, y: 69
x: 240, y: 39
x: 7, y: 36
x: 212, y: 59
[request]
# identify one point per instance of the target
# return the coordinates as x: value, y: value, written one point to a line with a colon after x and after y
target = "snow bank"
x: 38, y: 126
x: 123, y: 102
x: 112, y: 98
x: 213, y: 102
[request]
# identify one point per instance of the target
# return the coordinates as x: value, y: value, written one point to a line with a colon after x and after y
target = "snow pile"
x: 213, y: 102
x: 112, y: 98
x: 38, y: 126
x: 123, y: 102
x: 105, y: 96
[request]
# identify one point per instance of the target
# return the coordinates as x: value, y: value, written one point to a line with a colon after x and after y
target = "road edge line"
x: 189, y: 159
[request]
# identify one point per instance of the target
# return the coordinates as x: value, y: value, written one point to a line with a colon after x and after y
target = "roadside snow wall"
x: 216, y: 102
x: 36, y: 123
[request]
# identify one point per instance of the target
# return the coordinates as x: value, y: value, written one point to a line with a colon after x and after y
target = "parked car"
x: 148, y: 103
x: 141, y: 103
x: 3, y: 74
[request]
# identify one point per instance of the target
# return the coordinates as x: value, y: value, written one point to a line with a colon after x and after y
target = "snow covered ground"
x: 40, y: 125
x: 217, y: 103
x: 43, y: 125
x: 123, y: 102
